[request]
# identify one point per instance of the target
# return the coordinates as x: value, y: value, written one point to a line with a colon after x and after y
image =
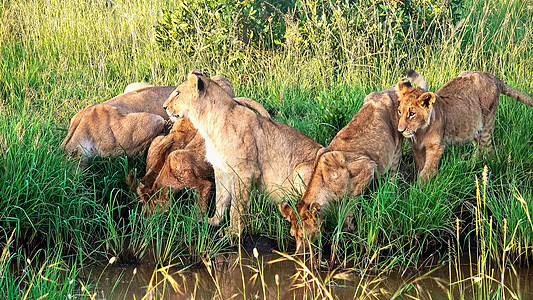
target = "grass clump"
x: 40, y: 193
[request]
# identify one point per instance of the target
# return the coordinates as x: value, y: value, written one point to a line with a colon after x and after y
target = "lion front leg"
x: 419, y: 156
x: 431, y: 165
x: 239, y: 206
x: 223, y: 195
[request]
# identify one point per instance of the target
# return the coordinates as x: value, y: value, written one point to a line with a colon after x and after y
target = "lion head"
x: 196, y: 87
x: 152, y: 200
x: 330, y: 180
x: 415, y: 108
x: 306, y: 222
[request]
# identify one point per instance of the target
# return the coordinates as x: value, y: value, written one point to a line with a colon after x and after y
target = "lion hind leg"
x: 361, y: 173
x: 485, y: 136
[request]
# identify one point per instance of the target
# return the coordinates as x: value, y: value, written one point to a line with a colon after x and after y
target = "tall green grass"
x: 57, y: 57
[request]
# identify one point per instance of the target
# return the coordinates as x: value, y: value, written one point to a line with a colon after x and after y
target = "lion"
x: 246, y: 150
x: 177, y: 161
x: 464, y: 109
x: 174, y: 162
x: 125, y: 124
x: 367, y: 145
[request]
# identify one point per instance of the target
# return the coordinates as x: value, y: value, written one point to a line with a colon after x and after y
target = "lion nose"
x: 165, y: 107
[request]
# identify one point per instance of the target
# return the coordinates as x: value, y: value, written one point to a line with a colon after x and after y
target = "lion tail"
x: 251, y: 104
x: 515, y: 94
x: 417, y: 79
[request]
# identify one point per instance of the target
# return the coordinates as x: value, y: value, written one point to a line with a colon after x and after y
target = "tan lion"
x: 174, y: 162
x: 246, y: 150
x: 464, y: 109
x: 125, y: 124
x: 177, y: 161
x: 369, y: 143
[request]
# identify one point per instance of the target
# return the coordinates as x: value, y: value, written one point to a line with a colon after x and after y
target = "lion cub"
x: 126, y: 123
x: 369, y: 143
x: 174, y: 162
x: 461, y: 110
x: 246, y: 150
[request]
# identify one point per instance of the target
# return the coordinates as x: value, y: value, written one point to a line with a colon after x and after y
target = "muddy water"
x: 268, y: 277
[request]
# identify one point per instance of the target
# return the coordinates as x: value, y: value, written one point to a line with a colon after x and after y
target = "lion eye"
x: 411, y: 114
x: 399, y: 112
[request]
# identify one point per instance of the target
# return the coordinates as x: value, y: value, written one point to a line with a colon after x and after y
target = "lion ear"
x: 196, y: 82
x: 403, y: 85
x: 314, y: 208
x: 286, y: 210
x: 336, y: 156
x: 426, y: 100
x: 197, y: 72
x: 201, y: 84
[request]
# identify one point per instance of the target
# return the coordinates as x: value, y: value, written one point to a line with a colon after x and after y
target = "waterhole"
x: 274, y: 276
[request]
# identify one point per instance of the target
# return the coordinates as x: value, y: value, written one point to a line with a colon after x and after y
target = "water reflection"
x: 227, y: 277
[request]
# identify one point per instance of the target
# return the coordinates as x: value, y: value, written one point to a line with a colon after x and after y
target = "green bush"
x: 333, y: 26
x: 219, y: 25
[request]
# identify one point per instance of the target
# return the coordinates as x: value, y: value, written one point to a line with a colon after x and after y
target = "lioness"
x: 369, y: 143
x: 177, y: 160
x: 461, y: 110
x: 245, y: 149
x: 124, y: 124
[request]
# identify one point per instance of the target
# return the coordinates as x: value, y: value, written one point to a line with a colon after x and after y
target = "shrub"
x: 334, y: 26
x: 218, y: 25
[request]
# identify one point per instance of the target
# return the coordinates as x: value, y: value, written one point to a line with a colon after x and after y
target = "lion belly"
x: 464, y: 129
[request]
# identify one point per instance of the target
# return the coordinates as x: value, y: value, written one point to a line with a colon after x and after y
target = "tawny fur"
x: 369, y: 143
x: 461, y: 110
x: 125, y: 124
x: 174, y: 162
x: 177, y: 161
x: 246, y: 150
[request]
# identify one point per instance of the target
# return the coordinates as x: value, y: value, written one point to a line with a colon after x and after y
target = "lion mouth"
x: 409, y: 134
x: 174, y: 116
